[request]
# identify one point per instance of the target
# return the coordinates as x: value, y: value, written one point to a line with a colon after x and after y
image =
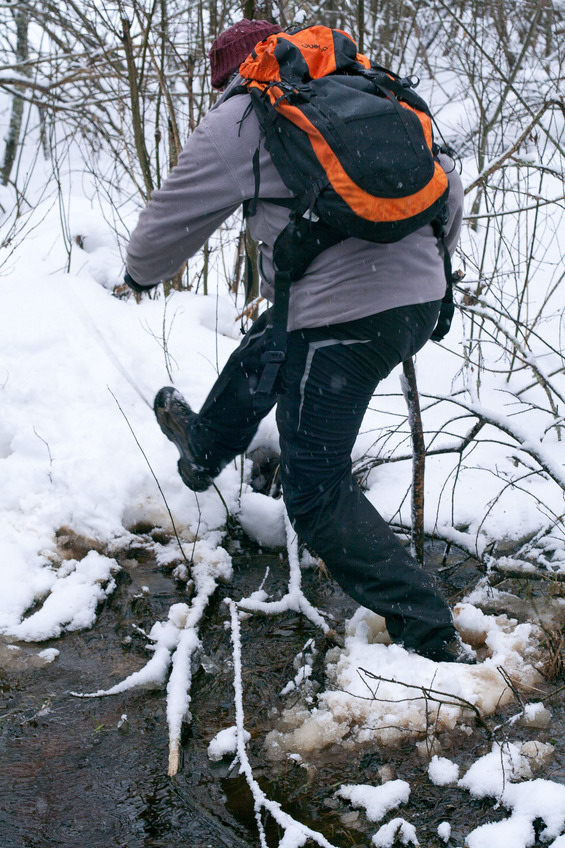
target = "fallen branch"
x: 505, y: 567
x: 296, y: 831
x: 176, y: 641
x: 180, y: 679
x: 249, y: 309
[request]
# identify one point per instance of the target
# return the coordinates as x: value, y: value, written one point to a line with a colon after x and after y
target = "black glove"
x: 129, y: 281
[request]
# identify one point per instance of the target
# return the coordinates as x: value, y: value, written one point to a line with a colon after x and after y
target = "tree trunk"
x: 137, y: 120
x: 16, y: 117
x: 410, y: 391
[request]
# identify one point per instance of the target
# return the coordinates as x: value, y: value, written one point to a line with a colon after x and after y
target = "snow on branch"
x: 528, y: 443
x: 176, y: 640
x: 294, y: 600
x: 296, y: 834
x: 491, y: 167
x: 175, y: 643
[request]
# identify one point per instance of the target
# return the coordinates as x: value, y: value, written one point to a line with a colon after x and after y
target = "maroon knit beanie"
x: 233, y: 46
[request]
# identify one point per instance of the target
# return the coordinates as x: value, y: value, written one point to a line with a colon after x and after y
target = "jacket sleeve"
x: 199, y: 194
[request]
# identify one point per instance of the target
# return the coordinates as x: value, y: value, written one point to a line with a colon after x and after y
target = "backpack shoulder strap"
x: 447, y: 307
x: 295, y: 248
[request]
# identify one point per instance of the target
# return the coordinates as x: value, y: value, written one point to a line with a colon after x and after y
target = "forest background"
x: 113, y: 90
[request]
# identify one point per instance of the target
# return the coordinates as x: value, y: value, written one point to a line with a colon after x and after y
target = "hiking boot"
x: 455, y: 651
x: 175, y: 418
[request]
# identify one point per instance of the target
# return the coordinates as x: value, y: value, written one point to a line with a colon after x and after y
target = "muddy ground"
x: 93, y: 772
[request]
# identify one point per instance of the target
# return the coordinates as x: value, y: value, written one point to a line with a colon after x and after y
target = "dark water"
x: 75, y: 772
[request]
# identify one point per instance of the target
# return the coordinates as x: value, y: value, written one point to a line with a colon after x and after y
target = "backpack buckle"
x: 273, y: 356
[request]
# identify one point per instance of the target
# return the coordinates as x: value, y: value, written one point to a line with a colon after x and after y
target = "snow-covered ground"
x: 80, y: 451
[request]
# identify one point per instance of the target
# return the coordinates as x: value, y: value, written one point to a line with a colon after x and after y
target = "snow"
x: 536, y: 715
x: 294, y: 837
x: 381, y: 692
x: 444, y: 831
x: 495, y: 775
x: 262, y: 518
x: 49, y: 654
x: 442, y: 772
x: 303, y: 663
x: 68, y: 457
x: 377, y: 800
x: 225, y: 742
x: 70, y: 600
x: 395, y: 831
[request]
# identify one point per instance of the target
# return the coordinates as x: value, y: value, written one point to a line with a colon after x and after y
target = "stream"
x: 93, y: 772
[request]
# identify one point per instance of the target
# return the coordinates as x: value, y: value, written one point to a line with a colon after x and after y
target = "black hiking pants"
x: 322, y: 392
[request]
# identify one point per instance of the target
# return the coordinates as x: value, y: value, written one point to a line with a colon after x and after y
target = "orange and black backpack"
x: 353, y: 142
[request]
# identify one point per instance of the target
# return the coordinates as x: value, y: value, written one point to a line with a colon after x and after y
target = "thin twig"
x: 436, y: 695
x: 154, y: 477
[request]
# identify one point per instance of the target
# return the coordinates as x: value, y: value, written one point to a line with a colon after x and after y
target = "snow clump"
x: 377, y: 691
x: 397, y: 830
x: 495, y: 775
x: 442, y: 772
x: 74, y: 592
x: 262, y: 518
x: 444, y: 831
x: 376, y: 800
x: 224, y: 743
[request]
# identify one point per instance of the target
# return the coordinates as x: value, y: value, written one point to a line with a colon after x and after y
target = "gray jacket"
x: 214, y: 175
